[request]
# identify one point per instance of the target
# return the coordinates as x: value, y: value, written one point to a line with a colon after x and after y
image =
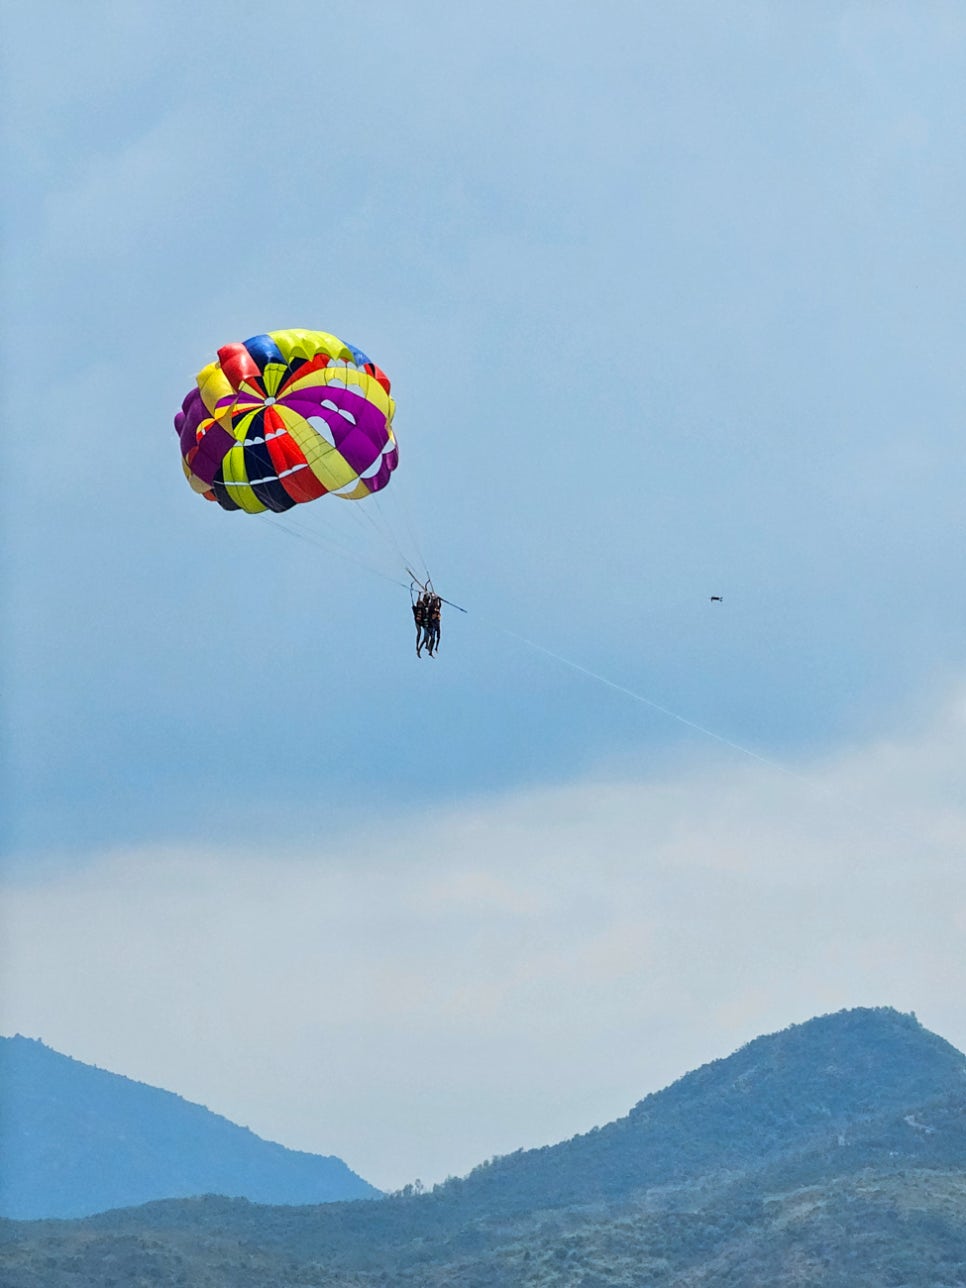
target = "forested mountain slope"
x: 833, y: 1152
x: 76, y: 1140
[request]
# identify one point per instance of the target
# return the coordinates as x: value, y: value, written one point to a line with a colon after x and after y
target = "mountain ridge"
x: 703, y: 1106
x: 76, y: 1139
x: 831, y: 1152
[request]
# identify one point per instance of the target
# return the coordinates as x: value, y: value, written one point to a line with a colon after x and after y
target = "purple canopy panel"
x: 365, y: 415
x: 214, y: 444
x: 379, y: 480
x: 357, y: 449
x: 212, y: 450
x: 193, y: 412
x: 369, y: 420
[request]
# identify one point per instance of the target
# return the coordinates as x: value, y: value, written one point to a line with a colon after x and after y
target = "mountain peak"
x: 75, y: 1139
x: 863, y: 1056
x: 780, y: 1093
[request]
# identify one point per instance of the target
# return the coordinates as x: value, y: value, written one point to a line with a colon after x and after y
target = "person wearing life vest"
x: 434, y: 608
x: 420, y: 617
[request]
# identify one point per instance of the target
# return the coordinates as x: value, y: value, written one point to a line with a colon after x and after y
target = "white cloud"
x: 419, y: 996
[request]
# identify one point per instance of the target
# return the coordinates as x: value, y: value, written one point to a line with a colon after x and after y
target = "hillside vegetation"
x: 833, y: 1153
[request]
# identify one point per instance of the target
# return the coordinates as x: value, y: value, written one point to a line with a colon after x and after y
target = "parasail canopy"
x: 285, y: 418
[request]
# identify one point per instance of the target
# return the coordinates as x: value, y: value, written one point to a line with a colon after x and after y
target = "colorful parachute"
x: 285, y: 418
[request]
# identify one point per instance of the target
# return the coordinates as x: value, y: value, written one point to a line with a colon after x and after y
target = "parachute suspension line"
x: 315, y: 530
x: 362, y: 516
x: 380, y: 509
x: 395, y: 497
x: 322, y: 543
x: 310, y: 524
x: 363, y: 521
x: 316, y: 526
x: 320, y: 539
x: 383, y: 529
x: 656, y: 706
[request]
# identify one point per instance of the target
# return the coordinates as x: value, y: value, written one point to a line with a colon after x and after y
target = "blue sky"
x: 672, y: 299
